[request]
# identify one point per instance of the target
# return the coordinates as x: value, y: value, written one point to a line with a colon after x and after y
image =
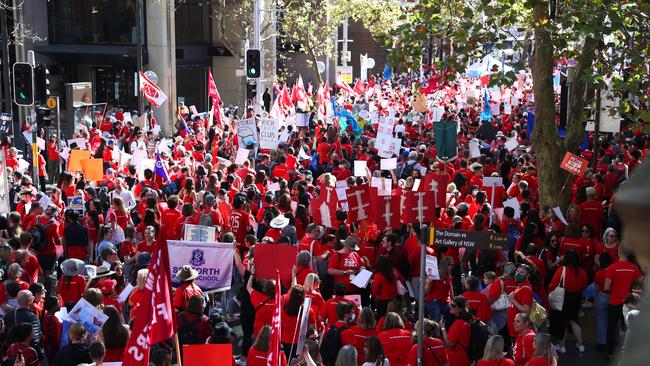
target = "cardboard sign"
x: 284, y: 257
x: 269, y: 133
x: 207, y: 354
x: 246, y: 131
x: 76, y: 156
x: 93, y: 169
x: 360, y: 168
x: 242, y: 155
x: 574, y: 164
x: 470, y: 239
x: 388, y: 164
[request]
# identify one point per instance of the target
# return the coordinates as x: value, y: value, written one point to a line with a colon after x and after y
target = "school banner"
x: 213, y: 261
x: 269, y: 133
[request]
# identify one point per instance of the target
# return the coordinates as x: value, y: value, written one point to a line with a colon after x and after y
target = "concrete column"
x: 161, y: 48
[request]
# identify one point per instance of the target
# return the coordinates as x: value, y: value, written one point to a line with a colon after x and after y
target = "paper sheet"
x: 474, y: 150
x: 360, y: 168
x: 512, y: 143
x: 388, y: 164
x: 515, y: 205
x: 416, y: 185
x: 242, y: 155
x: 125, y: 293
x: 361, y: 279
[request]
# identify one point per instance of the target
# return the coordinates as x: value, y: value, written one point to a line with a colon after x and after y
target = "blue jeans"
x: 602, y: 299
x: 435, y: 310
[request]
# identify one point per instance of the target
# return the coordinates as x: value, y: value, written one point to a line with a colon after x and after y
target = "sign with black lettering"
x: 470, y: 239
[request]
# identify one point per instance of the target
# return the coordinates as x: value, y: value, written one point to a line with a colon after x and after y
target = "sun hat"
x: 279, y: 222
x: 350, y: 242
x: 187, y: 273
x: 73, y: 267
x: 103, y: 272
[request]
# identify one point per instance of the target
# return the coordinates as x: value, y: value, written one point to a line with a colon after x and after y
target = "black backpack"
x: 329, y: 348
x: 479, y: 334
x: 38, y: 234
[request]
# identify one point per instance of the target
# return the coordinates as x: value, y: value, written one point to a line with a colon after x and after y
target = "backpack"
x: 478, y: 337
x: 331, y: 345
x: 38, y: 234
x: 187, y: 332
x: 104, y: 199
x: 513, y: 235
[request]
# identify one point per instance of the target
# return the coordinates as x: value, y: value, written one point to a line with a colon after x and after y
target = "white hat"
x: 475, y: 166
x: 279, y: 222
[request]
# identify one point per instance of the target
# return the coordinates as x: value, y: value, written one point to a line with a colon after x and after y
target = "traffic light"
x: 251, y: 91
x: 43, y: 116
x: 41, y: 83
x: 23, y: 84
x: 253, y: 63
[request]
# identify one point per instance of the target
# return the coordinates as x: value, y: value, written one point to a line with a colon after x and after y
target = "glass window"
x: 194, y: 22
x: 92, y: 21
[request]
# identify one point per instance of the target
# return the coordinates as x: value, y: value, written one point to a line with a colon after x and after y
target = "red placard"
x: 269, y: 257
x: 574, y: 164
x: 207, y: 354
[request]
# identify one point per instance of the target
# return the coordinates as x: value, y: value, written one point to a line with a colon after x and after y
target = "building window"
x: 92, y: 21
x: 193, y: 22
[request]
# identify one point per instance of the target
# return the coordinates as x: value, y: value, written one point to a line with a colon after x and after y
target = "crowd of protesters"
x: 53, y: 256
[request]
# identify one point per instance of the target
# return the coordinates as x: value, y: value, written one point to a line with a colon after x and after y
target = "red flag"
x: 437, y: 183
x: 274, y: 358
x: 151, y: 91
x: 358, y: 203
x: 213, y: 92
x: 154, y: 322
x: 286, y: 102
x: 384, y: 210
x: 346, y: 88
x: 418, y: 207
x: 359, y: 88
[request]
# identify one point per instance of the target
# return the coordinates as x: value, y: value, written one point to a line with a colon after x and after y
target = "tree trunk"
x: 546, y: 140
x: 575, y: 130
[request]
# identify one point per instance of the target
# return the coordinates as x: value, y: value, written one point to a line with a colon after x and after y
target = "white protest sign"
x: 511, y: 144
x: 269, y: 133
x: 242, y: 156
x: 492, y: 181
x: 44, y: 201
x: 302, y: 119
x: 360, y: 168
x: 514, y: 203
x: 213, y: 261
x: 388, y: 164
x: 246, y: 131
x: 80, y: 142
x: 474, y: 149
x: 431, y: 265
x: 304, y: 321
x: 200, y: 233
x: 558, y: 213
x: 85, y: 313
x: 40, y: 142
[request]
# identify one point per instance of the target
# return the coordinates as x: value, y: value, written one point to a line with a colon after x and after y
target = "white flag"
x: 151, y: 91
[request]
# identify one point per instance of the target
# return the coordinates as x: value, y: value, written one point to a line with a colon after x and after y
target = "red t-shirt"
x: 538, y: 361
x: 480, y: 305
x: 500, y: 362
x: 289, y: 328
x: 435, y: 353
x: 239, y: 224
x: 263, y: 306
x: 458, y: 335
x: 440, y: 291
x: 574, y: 280
x: 350, y: 261
x: 169, y: 219
x: 524, y: 296
x: 524, y: 347
x: 383, y: 288
x: 622, y: 274
x: 258, y: 358
x: 29, y: 354
x: 357, y: 336
x: 395, y: 342
x: 302, y: 273
x: 183, y: 294
x: 71, y: 288
x: 328, y: 310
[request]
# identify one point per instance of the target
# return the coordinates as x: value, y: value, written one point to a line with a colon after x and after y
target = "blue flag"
x: 339, y: 111
x: 159, y: 169
x: 486, y: 115
x: 387, y: 72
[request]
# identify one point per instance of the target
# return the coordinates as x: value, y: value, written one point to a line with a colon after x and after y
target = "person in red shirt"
x: 290, y: 311
x: 573, y: 279
x: 478, y: 302
x: 47, y: 254
x: 435, y: 353
x: 493, y: 354
x: 396, y: 340
x: 618, y: 281
x: 610, y: 245
x: 259, y: 351
x: 328, y: 310
x: 303, y: 267
x: 591, y: 212
x: 51, y: 328
x: 458, y: 336
x: 188, y: 288
x: 384, y: 284
x: 523, y: 349
x: 543, y: 355
x: 53, y: 164
x: 263, y: 302
x: 240, y: 220
x: 521, y: 299
x: 438, y: 291
x: 345, y: 262
x: 170, y: 217
x: 72, y: 284
x: 357, y: 334
x: 23, y: 336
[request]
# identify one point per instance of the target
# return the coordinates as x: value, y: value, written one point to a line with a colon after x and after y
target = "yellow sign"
x: 51, y: 102
x: 35, y: 155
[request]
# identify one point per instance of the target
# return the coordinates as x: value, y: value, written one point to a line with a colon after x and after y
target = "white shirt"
x: 127, y: 197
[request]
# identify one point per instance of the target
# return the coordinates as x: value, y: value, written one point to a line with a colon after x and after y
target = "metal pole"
x: 596, y: 130
x: 58, y: 121
x: 423, y: 257
x: 344, y: 52
x: 138, y: 52
x: 256, y: 44
x: 4, y: 40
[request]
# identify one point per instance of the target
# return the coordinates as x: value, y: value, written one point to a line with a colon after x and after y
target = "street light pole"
x: 424, y: 236
x: 138, y: 52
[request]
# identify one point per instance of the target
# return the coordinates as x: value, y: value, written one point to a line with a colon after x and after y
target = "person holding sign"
x: 346, y: 262
x: 188, y: 288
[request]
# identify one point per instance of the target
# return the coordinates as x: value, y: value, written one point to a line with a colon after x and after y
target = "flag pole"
x: 178, y: 349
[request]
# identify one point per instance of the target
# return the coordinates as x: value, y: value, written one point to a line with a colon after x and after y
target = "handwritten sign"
x: 574, y: 164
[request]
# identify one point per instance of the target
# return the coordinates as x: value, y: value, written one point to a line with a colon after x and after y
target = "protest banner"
x: 88, y: 315
x: 269, y: 133
x: 470, y: 239
x: 93, y: 169
x: 207, y: 354
x: 76, y: 156
x: 574, y: 164
x: 213, y: 261
x: 284, y: 258
x: 76, y: 203
x: 246, y: 131
x: 204, y: 234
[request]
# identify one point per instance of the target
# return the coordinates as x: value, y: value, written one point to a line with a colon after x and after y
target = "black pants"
x: 247, y: 315
x: 47, y: 262
x: 382, y: 306
x: 614, y: 315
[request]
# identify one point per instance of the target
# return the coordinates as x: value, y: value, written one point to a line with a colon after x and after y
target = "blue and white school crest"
x: 198, y: 258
